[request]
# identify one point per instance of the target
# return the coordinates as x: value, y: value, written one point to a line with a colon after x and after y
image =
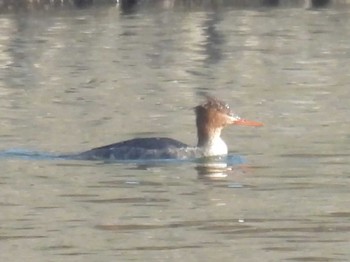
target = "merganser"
x: 211, y: 117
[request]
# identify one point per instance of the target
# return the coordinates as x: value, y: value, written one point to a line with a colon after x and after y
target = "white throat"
x: 215, y: 146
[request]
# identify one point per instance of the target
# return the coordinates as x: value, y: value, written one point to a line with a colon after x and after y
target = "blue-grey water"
x: 75, y: 79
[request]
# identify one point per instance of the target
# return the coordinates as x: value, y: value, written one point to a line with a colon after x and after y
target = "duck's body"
x: 137, y: 148
x: 211, y: 118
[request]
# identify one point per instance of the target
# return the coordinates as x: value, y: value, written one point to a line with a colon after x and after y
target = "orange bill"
x: 245, y: 122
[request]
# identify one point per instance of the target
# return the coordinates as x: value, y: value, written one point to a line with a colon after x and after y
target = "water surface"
x: 77, y: 79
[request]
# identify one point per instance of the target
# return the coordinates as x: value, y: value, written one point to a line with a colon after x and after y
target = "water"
x: 75, y: 79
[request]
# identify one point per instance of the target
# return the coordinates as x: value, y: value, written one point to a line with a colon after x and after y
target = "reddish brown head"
x: 212, y: 116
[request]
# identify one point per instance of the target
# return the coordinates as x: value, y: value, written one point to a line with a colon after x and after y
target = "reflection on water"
x: 215, y: 167
x: 75, y: 79
x: 131, y: 6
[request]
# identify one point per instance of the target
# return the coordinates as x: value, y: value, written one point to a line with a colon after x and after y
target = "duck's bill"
x: 245, y: 122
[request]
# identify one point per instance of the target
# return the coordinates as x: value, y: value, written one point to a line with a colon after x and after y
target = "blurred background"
x: 80, y: 74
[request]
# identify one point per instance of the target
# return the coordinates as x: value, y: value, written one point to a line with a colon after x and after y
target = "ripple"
x: 128, y: 200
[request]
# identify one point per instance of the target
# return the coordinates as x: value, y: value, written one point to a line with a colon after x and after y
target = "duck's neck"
x: 210, y: 141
